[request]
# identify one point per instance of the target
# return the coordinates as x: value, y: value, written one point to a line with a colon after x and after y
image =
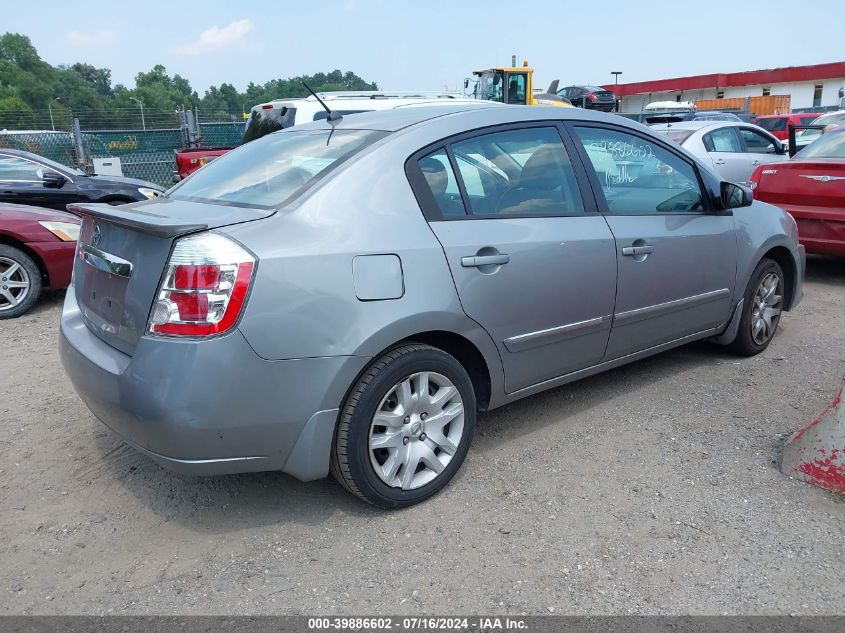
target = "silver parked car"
x: 345, y: 296
x: 733, y: 149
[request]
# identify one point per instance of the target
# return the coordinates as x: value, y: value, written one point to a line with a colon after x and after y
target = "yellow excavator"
x: 515, y: 85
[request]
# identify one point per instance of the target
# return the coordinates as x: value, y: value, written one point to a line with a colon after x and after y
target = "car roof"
x: 395, y: 119
x: 693, y: 125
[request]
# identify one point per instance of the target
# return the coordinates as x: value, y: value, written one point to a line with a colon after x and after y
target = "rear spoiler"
x: 139, y: 218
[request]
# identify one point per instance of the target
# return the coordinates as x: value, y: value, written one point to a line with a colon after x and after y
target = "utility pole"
x: 141, y: 104
x: 52, y: 123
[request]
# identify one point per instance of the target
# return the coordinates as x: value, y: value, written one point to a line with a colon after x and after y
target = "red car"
x: 811, y: 187
x: 189, y: 159
x: 778, y: 124
x: 37, y: 247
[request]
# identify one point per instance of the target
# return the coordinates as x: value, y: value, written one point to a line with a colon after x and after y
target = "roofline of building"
x: 790, y: 74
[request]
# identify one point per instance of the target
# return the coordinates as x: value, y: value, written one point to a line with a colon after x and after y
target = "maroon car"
x: 811, y: 187
x: 36, y: 251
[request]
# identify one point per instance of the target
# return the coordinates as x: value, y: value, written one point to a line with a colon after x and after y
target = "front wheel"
x: 405, y: 428
x: 20, y: 282
x: 761, y: 310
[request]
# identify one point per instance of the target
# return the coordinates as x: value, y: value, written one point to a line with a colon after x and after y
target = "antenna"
x: 332, y: 116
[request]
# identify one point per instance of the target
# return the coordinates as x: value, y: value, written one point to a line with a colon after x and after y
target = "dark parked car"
x: 27, y: 178
x: 589, y: 97
x: 36, y: 252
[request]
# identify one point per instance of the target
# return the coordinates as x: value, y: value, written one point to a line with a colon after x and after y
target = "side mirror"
x: 466, y: 84
x: 53, y: 180
x: 735, y: 196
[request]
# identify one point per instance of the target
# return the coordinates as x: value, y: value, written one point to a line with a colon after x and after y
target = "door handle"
x: 484, y: 260
x: 638, y: 250
x: 719, y: 161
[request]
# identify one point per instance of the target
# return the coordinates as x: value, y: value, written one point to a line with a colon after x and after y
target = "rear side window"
x: 518, y: 173
x: 722, y: 140
x: 638, y: 176
x: 271, y: 170
x: 443, y: 184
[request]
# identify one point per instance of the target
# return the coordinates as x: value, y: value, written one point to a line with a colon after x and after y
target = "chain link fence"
x: 144, y: 152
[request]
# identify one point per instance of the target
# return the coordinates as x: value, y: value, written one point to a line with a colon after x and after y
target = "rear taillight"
x: 204, y: 287
x: 591, y: 96
x: 754, y: 181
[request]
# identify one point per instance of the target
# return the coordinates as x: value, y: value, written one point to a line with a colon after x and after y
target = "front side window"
x: 268, y: 171
x: 518, y: 172
x: 638, y: 176
x: 722, y: 140
x: 756, y: 143
x: 18, y: 169
x: 490, y: 86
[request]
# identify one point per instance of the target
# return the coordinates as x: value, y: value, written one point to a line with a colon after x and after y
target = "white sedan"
x: 733, y: 148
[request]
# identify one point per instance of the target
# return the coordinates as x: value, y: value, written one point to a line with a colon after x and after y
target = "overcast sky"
x: 429, y: 44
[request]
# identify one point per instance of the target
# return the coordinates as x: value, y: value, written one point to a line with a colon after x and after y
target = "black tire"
x: 33, y: 275
x: 744, y: 343
x: 350, y: 460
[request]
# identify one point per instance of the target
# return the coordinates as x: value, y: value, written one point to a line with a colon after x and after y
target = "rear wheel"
x: 20, y: 282
x: 761, y: 310
x: 406, y: 427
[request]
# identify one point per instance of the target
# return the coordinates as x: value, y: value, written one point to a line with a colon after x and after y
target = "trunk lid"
x: 816, y: 183
x: 122, y: 253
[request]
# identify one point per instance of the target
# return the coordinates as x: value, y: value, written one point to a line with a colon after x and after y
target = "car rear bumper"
x: 820, y: 230
x: 210, y: 407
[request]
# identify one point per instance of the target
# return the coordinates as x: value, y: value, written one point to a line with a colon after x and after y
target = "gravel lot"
x: 649, y: 489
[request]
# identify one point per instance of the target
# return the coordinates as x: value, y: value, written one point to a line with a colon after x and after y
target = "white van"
x: 278, y: 114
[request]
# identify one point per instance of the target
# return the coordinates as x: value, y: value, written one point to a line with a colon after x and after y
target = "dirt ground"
x: 649, y: 489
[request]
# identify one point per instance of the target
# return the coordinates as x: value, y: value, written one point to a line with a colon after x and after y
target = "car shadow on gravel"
x: 50, y: 300
x: 551, y: 407
x: 226, y: 503
x: 825, y: 270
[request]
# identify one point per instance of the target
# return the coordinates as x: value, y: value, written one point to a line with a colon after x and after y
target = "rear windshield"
x: 774, y: 124
x: 267, y: 172
x: 265, y: 120
x: 676, y: 134
x: 831, y: 145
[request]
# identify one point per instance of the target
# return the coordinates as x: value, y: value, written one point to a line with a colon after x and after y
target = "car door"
x: 21, y: 182
x: 762, y: 148
x: 676, y: 258
x: 727, y: 154
x: 532, y: 260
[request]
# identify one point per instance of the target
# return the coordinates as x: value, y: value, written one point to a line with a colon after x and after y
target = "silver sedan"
x: 344, y: 295
x: 733, y: 149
